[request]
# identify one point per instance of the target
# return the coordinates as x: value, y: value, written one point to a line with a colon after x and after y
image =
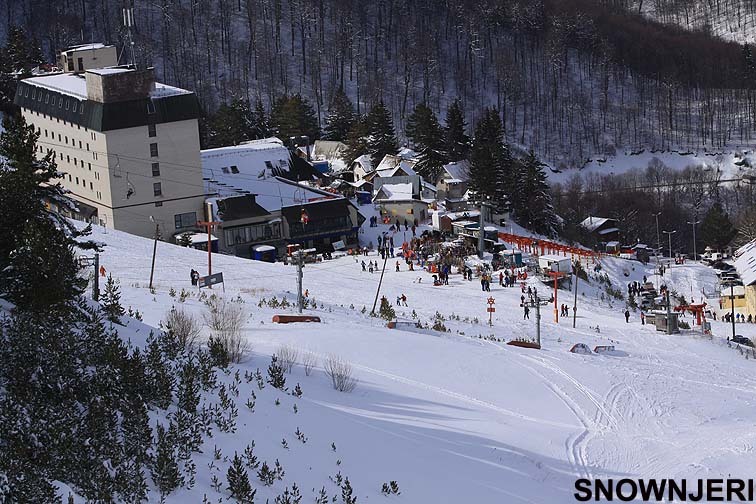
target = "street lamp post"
x: 669, y: 234
x: 695, y: 256
x: 658, y: 247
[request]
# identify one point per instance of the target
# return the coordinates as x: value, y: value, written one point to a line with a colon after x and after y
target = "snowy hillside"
x: 731, y: 164
x: 458, y: 416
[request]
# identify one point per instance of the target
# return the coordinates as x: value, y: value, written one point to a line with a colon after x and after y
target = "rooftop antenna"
x: 128, y: 22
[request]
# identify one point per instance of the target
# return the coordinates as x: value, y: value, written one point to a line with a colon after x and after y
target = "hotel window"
x: 60, y: 104
x: 45, y: 133
x: 234, y: 169
x: 91, y: 186
x: 39, y: 99
x: 68, y: 159
x: 69, y: 178
x: 68, y: 103
x: 155, y: 169
x: 90, y: 166
x: 34, y: 94
x: 47, y: 97
x: 20, y: 91
x: 157, y: 188
x: 66, y: 139
x: 158, y: 203
x: 26, y: 92
x: 153, y: 150
x: 224, y: 169
x: 76, y: 104
x: 151, y: 130
x: 87, y: 146
x: 79, y: 144
x: 185, y: 220
x: 77, y: 180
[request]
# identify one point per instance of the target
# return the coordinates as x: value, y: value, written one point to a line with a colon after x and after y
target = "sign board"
x: 338, y: 245
x: 207, y: 281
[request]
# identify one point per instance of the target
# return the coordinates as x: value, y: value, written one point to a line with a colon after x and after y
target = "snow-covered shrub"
x: 225, y: 320
x: 184, y: 327
x: 309, y: 361
x: 340, y: 373
x: 287, y: 356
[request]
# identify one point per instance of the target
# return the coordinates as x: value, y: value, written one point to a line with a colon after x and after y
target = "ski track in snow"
x: 508, y: 424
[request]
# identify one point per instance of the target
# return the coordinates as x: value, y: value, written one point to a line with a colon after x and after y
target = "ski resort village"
x: 299, y: 281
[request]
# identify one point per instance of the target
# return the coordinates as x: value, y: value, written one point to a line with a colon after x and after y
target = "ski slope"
x: 450, y: 416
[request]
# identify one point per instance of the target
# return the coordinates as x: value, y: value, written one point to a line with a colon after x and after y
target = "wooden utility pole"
x: 574, y: 305
x: 209, y: 225
x: 154, y: 251
x: 377, y: 292
x: 556, y: 275
x: 96, y: 283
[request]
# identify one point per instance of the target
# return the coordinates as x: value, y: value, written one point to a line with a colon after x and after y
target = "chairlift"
x: 130, y: 190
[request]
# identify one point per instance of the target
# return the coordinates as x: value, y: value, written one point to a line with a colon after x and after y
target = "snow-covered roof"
x: 76, y: 84
x: 593, y: 223
x: 69, y: 84
x: 463, y: 215
x: 255, y: 167
x: 394, y: 192
x: 365, y: 162
x: 457, y: 171
x: 608, y: 231
x: 407, y: 153
x: 195, y: 238
x: 86, y: 47
x: 745, y: 263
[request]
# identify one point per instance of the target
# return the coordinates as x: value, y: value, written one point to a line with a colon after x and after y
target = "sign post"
x: 491, y: 310
x: 210, y: 280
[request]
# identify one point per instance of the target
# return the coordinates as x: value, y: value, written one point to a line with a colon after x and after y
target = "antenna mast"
x: 128, y: 22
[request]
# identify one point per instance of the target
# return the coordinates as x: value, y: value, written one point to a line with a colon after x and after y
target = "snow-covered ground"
x: 622, y: 162
x: 460, y: 416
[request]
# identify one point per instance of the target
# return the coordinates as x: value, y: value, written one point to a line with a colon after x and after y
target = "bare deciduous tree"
x: 225, y: 320
x: 340, y: 373
x: 184, y: 327
x: 309, y: 361
x: 287, y: 356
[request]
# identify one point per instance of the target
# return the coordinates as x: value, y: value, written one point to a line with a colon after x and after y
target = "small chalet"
x: 603, y: 229
x: 452, y: 185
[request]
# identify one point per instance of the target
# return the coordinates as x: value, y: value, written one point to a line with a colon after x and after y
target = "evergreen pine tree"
x: 238, y: 481
x: 357, y: 140
x: 717, y: 230
x: 276, y: 373
x: 293, y: 116
x: 533, y: 208
x: 165, y: 471
x: 230, y: 125
x: 427, y: 136
x: 489, y: 161
x: 340, y: 118
x: 111, y: 301
x: 27, y: 183
x: 381, y: 135
x: 386, y: 311
x: 347, y: 494
x: 457, y: 141
x: 260, y: 127
x: 18, y: 52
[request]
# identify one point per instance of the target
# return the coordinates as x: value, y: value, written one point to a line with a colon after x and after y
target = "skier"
x: 363, y: 265
x: 404, y: 299
x: 526, y: 313
x: 191, y: 275
x: 397, y: 265
x: 627, y: 317
x: 102, y: 271
x: 643, y: 318
x: 501, y: 279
